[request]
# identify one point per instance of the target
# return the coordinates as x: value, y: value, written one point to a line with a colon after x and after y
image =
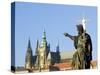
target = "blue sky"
x: 32, y: 18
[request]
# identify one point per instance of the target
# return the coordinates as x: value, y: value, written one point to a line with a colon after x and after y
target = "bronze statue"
x: 82, y: 43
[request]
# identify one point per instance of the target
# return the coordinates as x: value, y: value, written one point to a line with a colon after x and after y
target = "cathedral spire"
x: 44, y: 38
x: 44, y: 34
x: 58, y: 57
x: 29, y: 49
x: 29, y: 44
x: 57, y: 48
x: 28, y: 58
x: 37, y: 46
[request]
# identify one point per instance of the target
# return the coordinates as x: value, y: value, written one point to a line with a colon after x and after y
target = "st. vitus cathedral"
x: 43, y: 56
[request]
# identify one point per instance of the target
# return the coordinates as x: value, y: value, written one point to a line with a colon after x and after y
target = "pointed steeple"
x: 58, y: 57
x: 44, y: 34
x: 57, y: 48
x: 28, y: 58
x: 29, y: 44
x: 49, y: 45
x: 44, y: 39
x: 37, y: 46
x: 29, y: 49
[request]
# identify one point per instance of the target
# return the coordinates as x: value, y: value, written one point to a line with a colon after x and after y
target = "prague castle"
x: 44, y: 57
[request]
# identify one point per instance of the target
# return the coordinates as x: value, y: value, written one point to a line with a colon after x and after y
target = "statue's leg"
x: 81, y: 59
x: 87, y: 64
x: 75, y: 62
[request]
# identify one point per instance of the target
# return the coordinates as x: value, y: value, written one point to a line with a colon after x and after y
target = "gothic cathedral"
x: 39, y: 60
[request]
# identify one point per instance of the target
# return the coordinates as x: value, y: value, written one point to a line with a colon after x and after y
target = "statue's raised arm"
x: 70, y: 36
x: 73, y: 38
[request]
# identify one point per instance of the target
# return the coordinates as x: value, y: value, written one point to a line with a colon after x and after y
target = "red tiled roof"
x: 63, y: 65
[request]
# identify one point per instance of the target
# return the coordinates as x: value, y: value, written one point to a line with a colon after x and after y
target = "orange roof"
x: 67, y: 65
x: 63, y: 65
x: 94, y: 63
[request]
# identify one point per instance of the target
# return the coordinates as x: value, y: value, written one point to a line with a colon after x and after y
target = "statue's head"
x: 80, y: 29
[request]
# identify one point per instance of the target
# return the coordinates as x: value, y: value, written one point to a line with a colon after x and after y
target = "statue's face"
x: 79, y: 31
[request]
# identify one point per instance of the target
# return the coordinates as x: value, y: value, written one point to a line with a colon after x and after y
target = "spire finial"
x: 29, y: 44
x: 58, y: 42
x: 44, y: 30
x: 37, y: 43
x: 44, y: 34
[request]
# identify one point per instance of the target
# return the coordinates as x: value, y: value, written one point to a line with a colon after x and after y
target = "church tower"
x: 43, y: 51
x: 28, y: 58
x: 37, y: 56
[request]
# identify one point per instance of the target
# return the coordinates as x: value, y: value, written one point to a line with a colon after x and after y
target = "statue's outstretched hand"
x: 66, y: 34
